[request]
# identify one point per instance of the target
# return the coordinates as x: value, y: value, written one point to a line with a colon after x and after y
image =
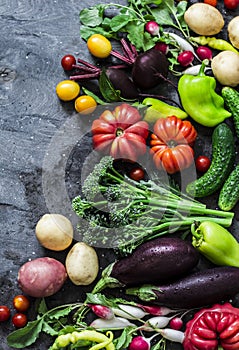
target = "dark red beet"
x: 149, y: 69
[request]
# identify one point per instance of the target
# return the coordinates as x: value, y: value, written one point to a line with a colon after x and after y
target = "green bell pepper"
x: 216, y: 243
x: 159, y: 109
x: 199, y: 99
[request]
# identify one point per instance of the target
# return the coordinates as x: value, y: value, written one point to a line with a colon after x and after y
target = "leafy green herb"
x: 107, y: 90
x: 131, y: 19
x: 123, y: 341
x: 48, y: 321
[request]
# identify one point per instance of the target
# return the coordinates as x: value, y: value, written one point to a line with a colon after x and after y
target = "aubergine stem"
x: 106, y: 280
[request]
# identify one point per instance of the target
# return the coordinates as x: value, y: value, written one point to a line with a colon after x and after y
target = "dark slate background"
x: 37, y: 138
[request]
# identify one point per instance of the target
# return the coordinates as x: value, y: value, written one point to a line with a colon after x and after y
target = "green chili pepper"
x: 94, y: 336
x: 214, y: 43
x: 199, y: 99
x: 216, y: 243
x: 159, y: 109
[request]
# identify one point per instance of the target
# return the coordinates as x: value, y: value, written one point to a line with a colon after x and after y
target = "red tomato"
x: 67, y: 62
x: 171, y: 144
x: 231, y: 4
x: 137, y: 174
x: 211, y: 2
x: 120, y: 133
x: 202, y: 163
x: 4, y: 313
x: 19, y: 320
x: 21, y: 303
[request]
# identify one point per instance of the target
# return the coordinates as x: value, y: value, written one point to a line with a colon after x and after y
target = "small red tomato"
x: 211, y: 2
x: 202, y: 163
x: 21, y: 303
x: 19, y: 320
x: 4, y: 313
x: 231, y: 4
x: 137, y: 174
x: 67, y: 62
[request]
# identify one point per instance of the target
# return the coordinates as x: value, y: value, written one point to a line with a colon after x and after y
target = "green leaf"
x: 181, y: 8
x: 119, y: 21
x: 42, y: 308
x: 23, y: 337
x: 86, y: 32
x: 56, y: 313
x: 48, y: 329
x: 162, y: 16
x: 95, y: 97
x: 107, y: 90
x: 92, y: 16
x: 123, y: 341
x: 142, y: 40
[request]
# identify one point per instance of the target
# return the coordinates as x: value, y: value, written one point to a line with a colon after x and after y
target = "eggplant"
x: 198, y: 289
x: 161, y: 259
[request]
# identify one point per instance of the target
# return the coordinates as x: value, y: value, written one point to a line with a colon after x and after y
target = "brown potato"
x: 82, y: 264
x: 225, y: 68
x: 204, y: 19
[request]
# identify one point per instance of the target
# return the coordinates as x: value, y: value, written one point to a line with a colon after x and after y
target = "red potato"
x: 41, y: 277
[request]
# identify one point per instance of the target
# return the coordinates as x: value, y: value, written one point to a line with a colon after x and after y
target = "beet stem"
x: 85, y: 76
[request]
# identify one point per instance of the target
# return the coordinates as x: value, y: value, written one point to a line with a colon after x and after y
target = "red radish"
x: 152, y: 28
x: 176, y: 323
x: 204, y: 53
x: 156, y: 322
x: 161, y: 47
x: 157, y: 310
x: 102, y: 311
x: 141, y: 343
x: 185, y: 58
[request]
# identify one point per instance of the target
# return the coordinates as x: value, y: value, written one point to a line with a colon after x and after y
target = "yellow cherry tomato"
x: 85, y: 104
x: 67, y: 90
x: 99, y: 46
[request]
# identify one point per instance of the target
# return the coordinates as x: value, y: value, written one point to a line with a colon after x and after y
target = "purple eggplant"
x: 198, y: 289
x: 161, y: 259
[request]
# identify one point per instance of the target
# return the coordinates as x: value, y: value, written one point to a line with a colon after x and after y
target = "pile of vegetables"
x: 159, y: 232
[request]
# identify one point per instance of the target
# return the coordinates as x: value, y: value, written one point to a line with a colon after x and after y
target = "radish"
x: 114, y: 323
x: 156, y: 322
x: 176, y: 323
x: 185, y: 58
x: 102, y: 311
x: 172, y: 335
x: 128, y: 311
x: 157, y: 310
x: 141, y: 343
x: 161, y: 47
x: 204, y: 53
x: 152, y: 28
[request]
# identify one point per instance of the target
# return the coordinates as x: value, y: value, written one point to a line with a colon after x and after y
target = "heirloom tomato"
x: 120, y: 133
x: 171, y: 144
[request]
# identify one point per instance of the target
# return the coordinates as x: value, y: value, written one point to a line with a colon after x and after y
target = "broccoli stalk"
x: 118, y: 212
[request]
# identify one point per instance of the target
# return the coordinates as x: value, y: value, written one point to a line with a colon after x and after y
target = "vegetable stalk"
x: 123, y: 213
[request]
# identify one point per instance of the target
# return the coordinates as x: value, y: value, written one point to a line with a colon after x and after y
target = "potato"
x: 41, y: 277
x: 82, y: 264
x: 225, y: 68
x: 204, y: 19
x: 54, y: 232
x: 233, y: 31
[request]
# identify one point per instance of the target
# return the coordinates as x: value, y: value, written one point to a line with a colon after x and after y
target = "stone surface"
x: 37, y: 136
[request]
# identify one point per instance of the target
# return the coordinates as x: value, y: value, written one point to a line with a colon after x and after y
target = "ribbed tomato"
x: 120, y: 133
x: 171, y: 144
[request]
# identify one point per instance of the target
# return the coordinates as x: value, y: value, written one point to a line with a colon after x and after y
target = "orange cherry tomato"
x: 85, y: 104
x: 21, y: 303
x: 67, y: 90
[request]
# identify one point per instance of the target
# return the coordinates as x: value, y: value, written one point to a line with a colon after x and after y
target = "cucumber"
x: 229, y: 194
x: 231, y: 98
x: 223, y: 156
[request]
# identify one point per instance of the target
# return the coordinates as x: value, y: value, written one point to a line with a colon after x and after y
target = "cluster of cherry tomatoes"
x: 21, y: 304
